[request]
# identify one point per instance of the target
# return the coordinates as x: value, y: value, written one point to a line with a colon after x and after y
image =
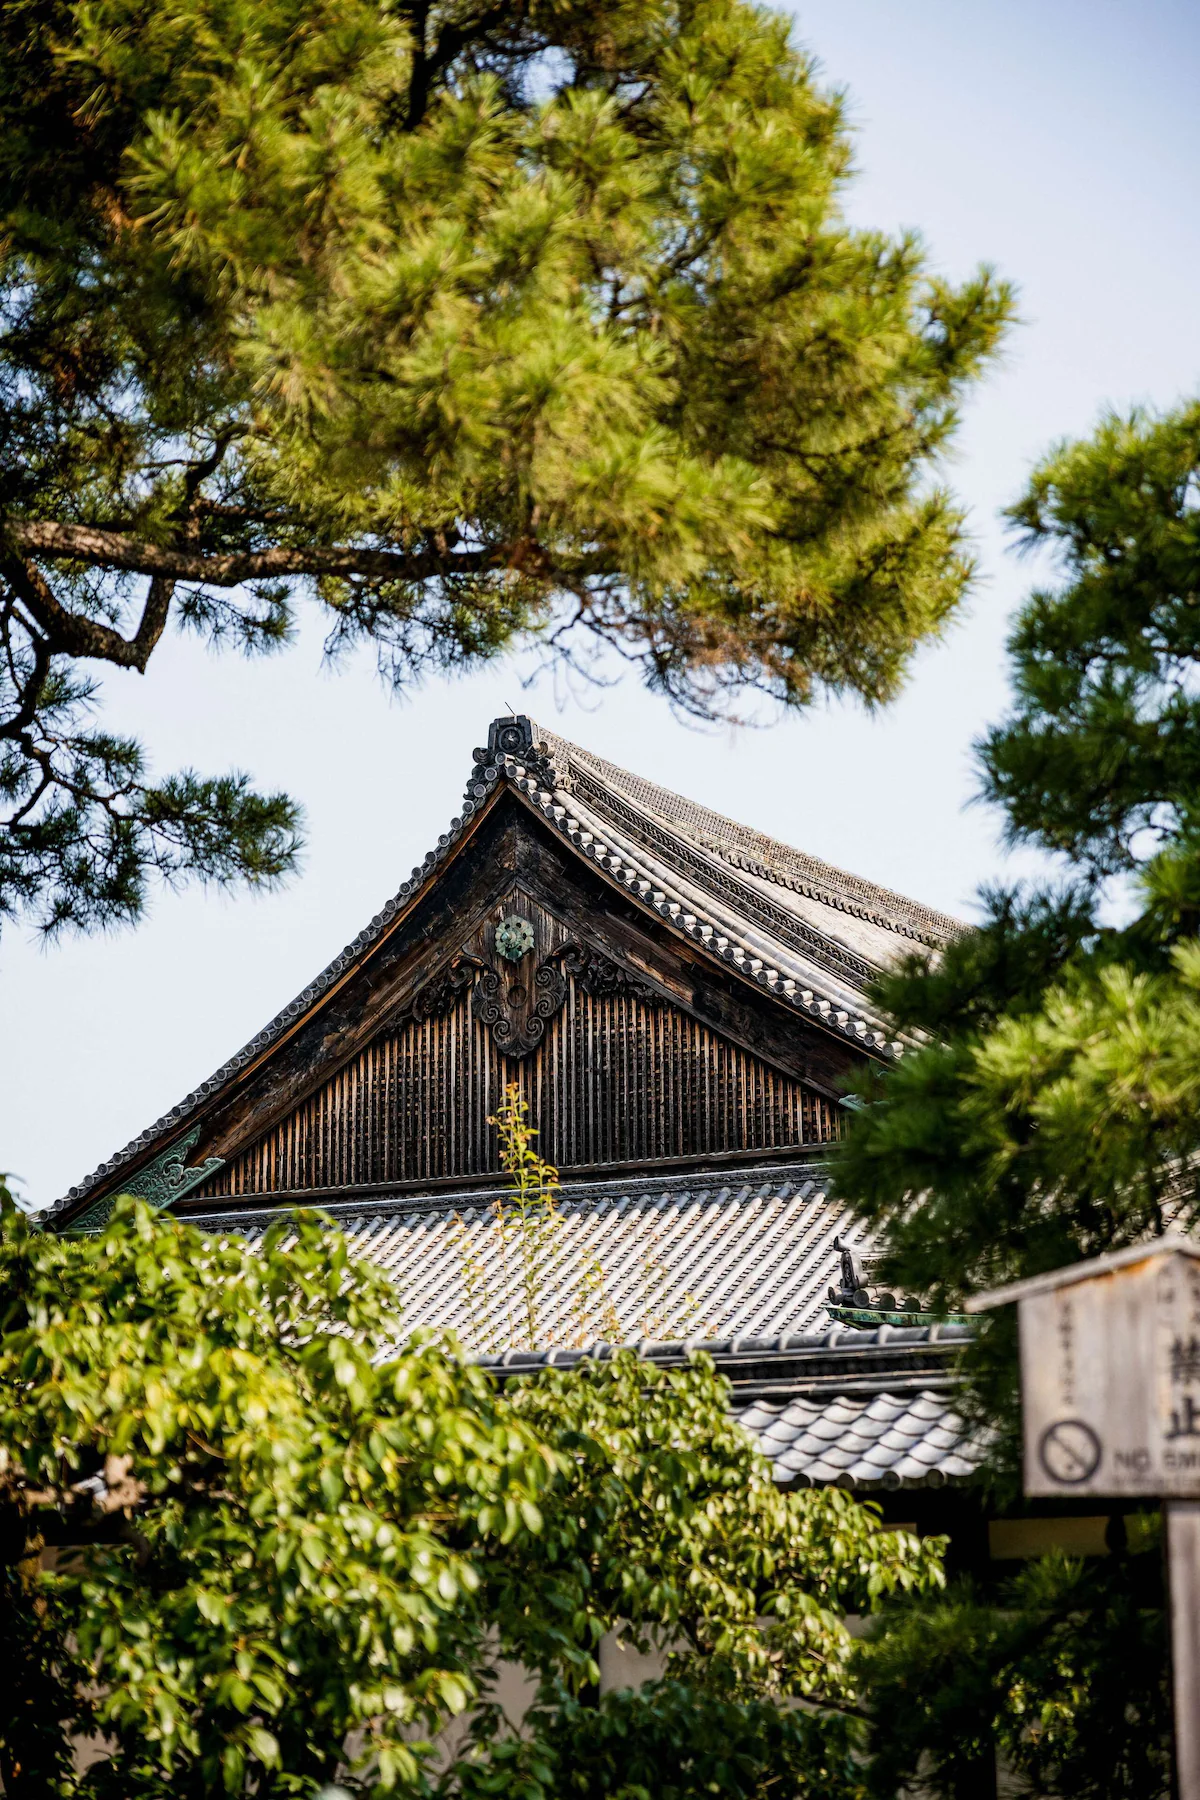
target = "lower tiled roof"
x: 737, y: 1265
x: 880, y: 1440
x: 697, y: 1256
x: 856, y: 1409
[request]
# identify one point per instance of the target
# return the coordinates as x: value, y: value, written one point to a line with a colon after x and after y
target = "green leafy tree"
x: 1060, y: 1672
x: 669, y: 1521
x: 279, y: 1530
x: 1052, y: 1112
x: 467, y: 321
x: 254, y: 1540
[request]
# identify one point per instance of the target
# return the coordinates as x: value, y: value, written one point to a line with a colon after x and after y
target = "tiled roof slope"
x: 857, y: 1409
x: 808, y: 934
x: 756, y: 854
x: 878, y: 1440
x: 734, y: 1265
x: 750, y: 1252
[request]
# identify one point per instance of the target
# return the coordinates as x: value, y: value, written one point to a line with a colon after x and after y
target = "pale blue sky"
x: 1059, y: 141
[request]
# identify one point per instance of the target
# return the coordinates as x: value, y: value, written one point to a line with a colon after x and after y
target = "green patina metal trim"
x: 159, y: 1183
x: 514, y: 938
x: 869, y: 1317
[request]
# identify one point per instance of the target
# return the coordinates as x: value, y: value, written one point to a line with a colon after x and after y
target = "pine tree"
x: 1053, y: 1111
x: 470, y: 324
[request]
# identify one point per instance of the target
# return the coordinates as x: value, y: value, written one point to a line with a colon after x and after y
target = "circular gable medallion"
x: 514, y: 938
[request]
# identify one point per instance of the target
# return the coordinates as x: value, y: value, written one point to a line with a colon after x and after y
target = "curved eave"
x: 685, y: 909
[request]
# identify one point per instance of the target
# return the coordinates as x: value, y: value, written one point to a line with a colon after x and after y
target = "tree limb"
x: 70, y: 634
x: 29, y: 686
x: 102, y: 548
x: 452, y: 40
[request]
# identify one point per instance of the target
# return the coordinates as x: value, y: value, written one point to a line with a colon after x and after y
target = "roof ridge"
x: 760, y: 854
x: 834, y: 1337
x: 798, y: 1166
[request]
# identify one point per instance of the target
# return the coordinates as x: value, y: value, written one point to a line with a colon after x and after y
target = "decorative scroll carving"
x: 515, y: 1005
x: 598, y: 976
x: 512, y: 969
x: 517, y: 1010
x: 439, y: 996
x: 159, y: 1183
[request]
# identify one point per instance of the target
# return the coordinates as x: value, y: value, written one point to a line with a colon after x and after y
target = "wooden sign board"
x: 1110, y: 1398
x: 1110, y: 1375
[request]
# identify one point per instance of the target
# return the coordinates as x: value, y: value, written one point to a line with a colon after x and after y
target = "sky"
x: 1058, y: 141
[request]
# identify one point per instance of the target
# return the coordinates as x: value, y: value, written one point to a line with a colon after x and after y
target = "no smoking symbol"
x: 1069, y: 1451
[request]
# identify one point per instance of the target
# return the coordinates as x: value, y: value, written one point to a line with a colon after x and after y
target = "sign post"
x: 1110, y: 1403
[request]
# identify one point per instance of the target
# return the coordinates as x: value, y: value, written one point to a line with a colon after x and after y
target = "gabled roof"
x: 810, y: 935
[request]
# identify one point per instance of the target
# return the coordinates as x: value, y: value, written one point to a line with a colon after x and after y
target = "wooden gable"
x: 625, y: 1049
x: 644, y: 1030
x: 620, y: 1076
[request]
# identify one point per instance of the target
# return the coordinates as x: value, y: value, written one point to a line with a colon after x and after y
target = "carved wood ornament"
x: 517, y: 968
x: 518, y: 1006
x: 163, y: 1180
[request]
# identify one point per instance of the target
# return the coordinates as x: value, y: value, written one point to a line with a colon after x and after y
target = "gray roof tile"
x: 736, y: 1267
x: 882, y: 1438
x: 626, y: 1261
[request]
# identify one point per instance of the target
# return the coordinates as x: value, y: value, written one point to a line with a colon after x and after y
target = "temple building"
x: 680, y: 1002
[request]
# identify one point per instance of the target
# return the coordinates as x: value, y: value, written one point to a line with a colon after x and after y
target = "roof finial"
x: 511, y: 736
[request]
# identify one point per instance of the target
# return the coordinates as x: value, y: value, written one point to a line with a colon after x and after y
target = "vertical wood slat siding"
x: 617, y: 1079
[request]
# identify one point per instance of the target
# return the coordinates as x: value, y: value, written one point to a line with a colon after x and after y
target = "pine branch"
x: 69, y: 633
x: 97, y: 547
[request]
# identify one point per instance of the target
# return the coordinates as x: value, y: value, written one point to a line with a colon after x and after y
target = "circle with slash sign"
x: 1070, y: 1451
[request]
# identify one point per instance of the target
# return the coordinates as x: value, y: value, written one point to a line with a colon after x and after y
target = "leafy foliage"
x: 668, y: 1521
x: 1100, y: 758
x: 289, y: 1520
x: 1051, y: 1113
x: 292, y: 1550
x: 1066, y: 1676
x: 472, y: 322
x: 668, y: 1740
x: 1053, y: 1116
